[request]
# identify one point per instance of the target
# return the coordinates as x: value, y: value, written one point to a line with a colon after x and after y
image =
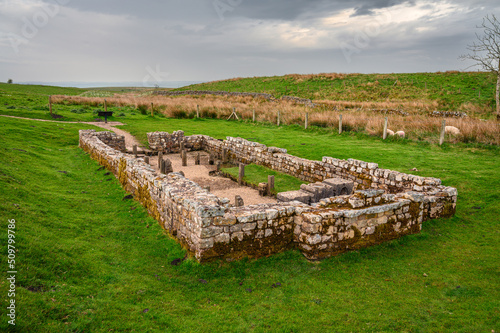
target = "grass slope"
x: 449, y: 89
x: 32, y: 101
x: 89, y: 261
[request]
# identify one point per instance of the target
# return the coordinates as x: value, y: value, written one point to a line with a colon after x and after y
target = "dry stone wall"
x: 113, y: 140
x: 294, y: 99
x: 365, y: 175
x: 387, y: 204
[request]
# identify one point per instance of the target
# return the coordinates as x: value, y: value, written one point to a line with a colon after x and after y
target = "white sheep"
x: 401, y: 134
x: 452, y: 130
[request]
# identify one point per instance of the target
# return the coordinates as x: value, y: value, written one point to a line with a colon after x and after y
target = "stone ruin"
x: 348, y: 205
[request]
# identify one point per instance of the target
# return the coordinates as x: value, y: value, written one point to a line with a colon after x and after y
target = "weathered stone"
x: 314, y: 239
x: 249, y: 226
x: 227, y: 219
x: 210, y: 232
x: 263, y: 189
x: 340, y: 186
x: 301, y: 196
x: 356, y: 202
x: 238, y: 201
x: 222, y: 238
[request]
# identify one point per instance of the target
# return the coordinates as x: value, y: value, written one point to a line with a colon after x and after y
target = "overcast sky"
x: 200, y: 40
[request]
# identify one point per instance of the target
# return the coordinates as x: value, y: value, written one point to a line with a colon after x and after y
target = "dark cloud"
x: 123, y: 40
x: 369, y: 7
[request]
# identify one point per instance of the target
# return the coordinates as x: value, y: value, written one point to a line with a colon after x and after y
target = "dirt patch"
x: 220, y: 186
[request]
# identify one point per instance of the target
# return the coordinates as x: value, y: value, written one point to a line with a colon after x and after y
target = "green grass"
x: 255, y: 174
x: 32, y: 101
x: 449, y: 89
x: 89, y: 261
x: 95, y: 265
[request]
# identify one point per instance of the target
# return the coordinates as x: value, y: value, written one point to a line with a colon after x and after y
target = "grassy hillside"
x: 451, y: 90
x: 32, y: 101
x: 89, y: 261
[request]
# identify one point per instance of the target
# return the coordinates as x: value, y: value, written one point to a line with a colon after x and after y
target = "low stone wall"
x: 210, y: 228
x: 113, y: 140
x: 365, y: 175
x: 294, y: 99
x: 217, y: 93
x: 203, y: 223
x: 170, y: 143
x: 352, y: 222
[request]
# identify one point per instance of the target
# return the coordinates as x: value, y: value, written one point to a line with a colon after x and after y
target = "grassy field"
x: 363, y: 101
x: 89, y: 261
x: 32, y: 101
x: 255, y: 174
x: 451, y: 90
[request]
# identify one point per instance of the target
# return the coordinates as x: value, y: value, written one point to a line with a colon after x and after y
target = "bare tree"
x: 485, y: 51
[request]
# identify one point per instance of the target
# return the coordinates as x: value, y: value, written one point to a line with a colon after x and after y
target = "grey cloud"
x: 369, y: 7
x: 188, y: 39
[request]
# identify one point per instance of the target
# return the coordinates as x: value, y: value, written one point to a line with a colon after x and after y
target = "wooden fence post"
x: 162, y: 166
x: 253, y: 115
x: 340, y: 124
x: 160, y: 158
x: 181, y: 146
x: 134, y: 149
x: 307, y: 120
x: 184, y: 158
x: 270, y: 184
x: 152, y: 110
x: 385, y: 128
x: 443, y: 130
x: 279, y: 117
x: 197, y: 111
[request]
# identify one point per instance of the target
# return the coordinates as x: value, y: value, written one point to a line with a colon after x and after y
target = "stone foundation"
x: 385, y: 204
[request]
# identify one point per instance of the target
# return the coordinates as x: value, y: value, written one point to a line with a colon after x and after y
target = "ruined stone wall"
x: 210, y: 228
x: 351, y: 222
x: 294, y: 99
x: 113, y: 140
x: 181, y: 207
x: 365, y: 175
x: 439, y: 200
x: 170, y: 143
x: 203, y: 223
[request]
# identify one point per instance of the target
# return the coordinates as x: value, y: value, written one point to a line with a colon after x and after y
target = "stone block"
x: 227, y: 219
x: 318, y: 190
x: 340, y: 186
x: 222, y: 238
x: 301, y: 196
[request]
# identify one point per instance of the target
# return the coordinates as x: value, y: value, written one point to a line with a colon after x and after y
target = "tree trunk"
x: 497, y: 96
